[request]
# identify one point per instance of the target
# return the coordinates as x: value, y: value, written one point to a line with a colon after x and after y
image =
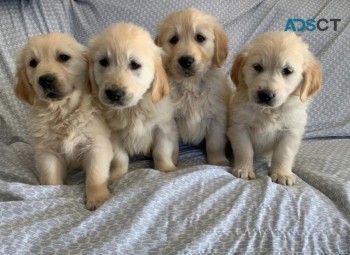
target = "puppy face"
x: 50, y: 67
x: 124, y: 64
x: 193, y: 41
x: 274, y: 66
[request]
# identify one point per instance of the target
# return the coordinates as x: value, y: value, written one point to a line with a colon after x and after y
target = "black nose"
x: 47, y: 81
x: 265, y: 96
x: 115, y: 95
x: 186, y: 61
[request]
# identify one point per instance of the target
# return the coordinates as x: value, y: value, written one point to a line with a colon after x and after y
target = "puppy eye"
x: 104, y: 62
x: 258, y: 68
x: 174, y: 39
x: 63, y: 57
x: 134, y: 65
x: 287, y: 71
x: 200, y: 38
x: 33, y: 63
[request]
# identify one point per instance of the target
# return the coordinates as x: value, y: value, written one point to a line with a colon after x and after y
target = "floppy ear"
x: 160, y: 87
x: 236, y: 70
x: 221, y: 46
x: 23, y: 89
x: 157, y: 41
x: 91, y: 80
x: 86, y: 59
x: 312, y: 80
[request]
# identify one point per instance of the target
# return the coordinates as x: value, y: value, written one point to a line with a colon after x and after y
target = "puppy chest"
x: 192, y: 130
x: 137, y: 139
x: 266, y: 129
x: 76, y: 145
x: 193, y: 114
x: 263, y: 139
x: 192, y: 105
x: 263, y: 124
x: 72, y: 147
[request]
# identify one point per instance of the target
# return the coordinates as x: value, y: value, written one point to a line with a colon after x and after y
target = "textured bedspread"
x: 198, y: 209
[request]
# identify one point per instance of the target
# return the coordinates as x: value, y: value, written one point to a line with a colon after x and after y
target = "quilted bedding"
x: 198, y: 209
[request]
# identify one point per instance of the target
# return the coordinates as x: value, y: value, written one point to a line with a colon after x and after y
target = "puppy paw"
x: 283, y: 179
x: 116, y: 174
x: 220, y: 161
x: 165, y: 167
x: 244, y: 173
x: 95, y: 201
x: 51, y: 181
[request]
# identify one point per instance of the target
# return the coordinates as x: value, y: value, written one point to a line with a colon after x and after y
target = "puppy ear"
x: 221, y: 46
x: 23, y: 89
x: 236, y: 70
x: 160, y: 87
x: 157, y: 41
x: 91, y: 80
x: 86, y: 59
x: 312, y: 80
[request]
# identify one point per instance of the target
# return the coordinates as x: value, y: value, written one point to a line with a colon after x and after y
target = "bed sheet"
x: 198, y: 209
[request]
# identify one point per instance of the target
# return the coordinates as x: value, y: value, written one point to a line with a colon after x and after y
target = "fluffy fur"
x: 200, y: 91
x: 131, y: 86
x: 278, y: 63
x: 67, y: 130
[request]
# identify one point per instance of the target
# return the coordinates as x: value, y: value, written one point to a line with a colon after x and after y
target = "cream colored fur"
x: 67, y: 132
x: 201, y: 97
x: 143, y: 122
x: 271, y: 131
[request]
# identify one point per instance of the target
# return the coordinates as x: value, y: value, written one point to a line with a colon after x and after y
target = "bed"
x: 198, y: 209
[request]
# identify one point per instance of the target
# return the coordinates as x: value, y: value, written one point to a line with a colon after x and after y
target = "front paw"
x: 95, y: 201
x: 165, y: 167
x: 246, y: 173
x: 50, y: 180
x: 116, y: 173
x: 283, y: 178
x: 218, y: 161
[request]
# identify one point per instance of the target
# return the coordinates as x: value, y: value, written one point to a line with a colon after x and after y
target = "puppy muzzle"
x: 48, y: 83
x: 186, y: 64
x: 266, y: 97
x: 115, y: 96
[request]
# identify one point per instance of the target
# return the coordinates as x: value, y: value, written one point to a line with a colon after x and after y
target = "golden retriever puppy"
x: 129, y: 81
x: 275, y: 76
x: 67, y: 131
x: 195, y: 48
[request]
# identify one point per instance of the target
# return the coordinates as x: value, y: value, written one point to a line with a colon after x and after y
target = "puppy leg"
x: 215, y: 144
x: 120, y: 162
x: 283, y: 157
x: 175, y: 155
x: 51, y: 168
x: 96, y: 163
x: 242, y: 151
x: 174, y: 136
x: 163, y: 151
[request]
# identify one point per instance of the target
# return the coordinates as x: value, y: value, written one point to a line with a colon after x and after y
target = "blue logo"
x: 300, y: 25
